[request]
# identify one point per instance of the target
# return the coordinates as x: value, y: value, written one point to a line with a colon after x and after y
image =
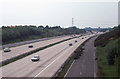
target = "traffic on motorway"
x: 44, y: 63
x: 8, y: 53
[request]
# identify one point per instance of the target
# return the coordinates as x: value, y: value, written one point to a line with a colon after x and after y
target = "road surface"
x: 51, y: 59
x: 85, y: 66
x: 28, y: 42
x: 15, y: 51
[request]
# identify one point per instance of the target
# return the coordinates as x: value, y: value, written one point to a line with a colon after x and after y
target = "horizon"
x: 58, y: 25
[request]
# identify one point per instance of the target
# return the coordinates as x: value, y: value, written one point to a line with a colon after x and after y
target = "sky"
x: 86, y: 13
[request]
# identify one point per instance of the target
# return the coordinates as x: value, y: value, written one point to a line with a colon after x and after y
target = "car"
x: 35, y: 58
x: 6, y: 50
x: 30, y: 46
x: 70, y: 44
x: 82, y: 38
x: 75, y: 41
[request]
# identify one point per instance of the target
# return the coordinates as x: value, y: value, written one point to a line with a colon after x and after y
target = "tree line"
x: 20, y: 33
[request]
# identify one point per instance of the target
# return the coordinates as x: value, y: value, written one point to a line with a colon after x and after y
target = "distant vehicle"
x: 35, y: 58
x: 70, y: 44
x: 30, y: 46
x: 6, y: 50
x: 82, y: 38
x: 75, y: 41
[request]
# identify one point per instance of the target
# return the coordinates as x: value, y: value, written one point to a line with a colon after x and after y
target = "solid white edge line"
x: 48, y: 66
x: 51, y: 64
x: 94, y: 74
x: 69, y: 69
x: 70, y: 66
x: 72, y: 63
x: 94, y: 64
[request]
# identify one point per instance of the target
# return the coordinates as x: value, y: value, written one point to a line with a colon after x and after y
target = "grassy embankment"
x: 104, y: 69
x: 108, y: 54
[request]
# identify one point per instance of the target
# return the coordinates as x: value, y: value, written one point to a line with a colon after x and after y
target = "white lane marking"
x: 69, y: 69
x: 94, y: 54
x: 94, y: 74
x: 94, y: 64
x: 48, y: 66
x: 80, y: 73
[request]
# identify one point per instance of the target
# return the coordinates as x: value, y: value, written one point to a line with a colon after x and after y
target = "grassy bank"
x: 104, y: 68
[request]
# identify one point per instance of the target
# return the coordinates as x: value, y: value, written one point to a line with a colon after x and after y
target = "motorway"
x: 28, y: 42
x: 15, y: 51
x: 86, y: 65
x: 51, y: 59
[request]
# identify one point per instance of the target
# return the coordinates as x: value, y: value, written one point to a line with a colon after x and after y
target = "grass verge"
x: 105, y: 70
x: 105, y: 54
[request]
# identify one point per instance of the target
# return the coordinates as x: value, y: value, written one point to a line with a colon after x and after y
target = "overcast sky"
x: 94, y: 13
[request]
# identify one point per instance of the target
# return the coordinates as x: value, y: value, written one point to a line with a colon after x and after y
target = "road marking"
x: 94, y: 54
x: 80, y: 73
x: 94, y: 65
x: 94, y: 74
x: 48, y: 66
x: 69, y: 69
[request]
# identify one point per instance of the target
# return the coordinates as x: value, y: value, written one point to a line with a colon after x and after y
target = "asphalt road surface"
x: 15, y: 51
x: 28, y: 42
x: 51, y: 59
x: 86, y: 65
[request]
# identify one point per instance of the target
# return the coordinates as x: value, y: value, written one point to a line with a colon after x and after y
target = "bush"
x: 111, y: 57
x: 104, y: 39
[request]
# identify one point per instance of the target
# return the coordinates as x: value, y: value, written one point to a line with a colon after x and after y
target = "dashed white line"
x: 80, y: 73
x: 94, y: 65
x: 51, y: 64
x: 94, y: 74
x: 48, y: 66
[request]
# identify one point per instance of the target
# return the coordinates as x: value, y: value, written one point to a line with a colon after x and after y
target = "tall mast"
x: 72, y: 22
